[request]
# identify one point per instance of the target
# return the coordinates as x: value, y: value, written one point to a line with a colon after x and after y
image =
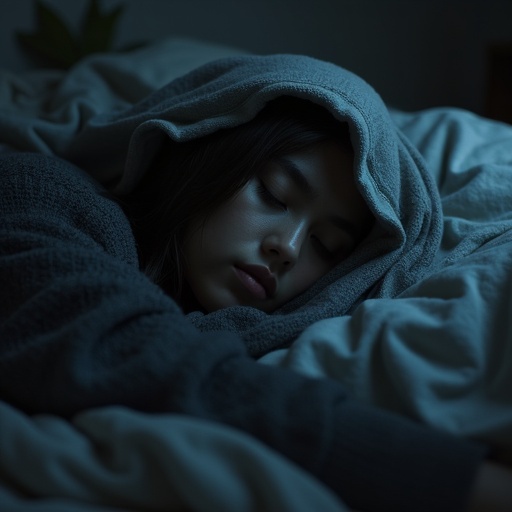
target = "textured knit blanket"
x: 117, y: 144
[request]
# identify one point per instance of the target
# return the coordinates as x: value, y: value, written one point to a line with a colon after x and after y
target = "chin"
x: 210, y: 303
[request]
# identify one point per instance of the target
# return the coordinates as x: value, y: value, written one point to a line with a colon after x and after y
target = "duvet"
x: 417, y: 323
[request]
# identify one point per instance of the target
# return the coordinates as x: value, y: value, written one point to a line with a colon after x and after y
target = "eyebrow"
x: 302, y: 183
x: 296, y: 175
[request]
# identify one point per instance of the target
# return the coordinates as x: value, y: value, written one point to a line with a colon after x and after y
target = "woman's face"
x: 281, y: 232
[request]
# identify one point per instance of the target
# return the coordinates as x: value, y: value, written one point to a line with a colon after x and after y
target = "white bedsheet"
x: 442, y: 351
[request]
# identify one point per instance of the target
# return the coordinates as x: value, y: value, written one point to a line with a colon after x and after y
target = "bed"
x: 113, y: 458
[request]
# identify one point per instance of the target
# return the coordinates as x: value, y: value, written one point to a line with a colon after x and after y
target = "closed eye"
x: 322, y: 250
x: 270, y: 198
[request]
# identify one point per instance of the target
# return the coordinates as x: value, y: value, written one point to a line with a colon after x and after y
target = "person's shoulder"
x: 46, y: 182
x: 36, y: 187
x: 22, y: 169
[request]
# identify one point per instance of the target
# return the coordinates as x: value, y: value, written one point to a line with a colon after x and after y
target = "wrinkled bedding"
x: 440, y: 352
x: 117, y: 459
x: 411, y: 354
x: 113, y: 458
x: 43, y: 110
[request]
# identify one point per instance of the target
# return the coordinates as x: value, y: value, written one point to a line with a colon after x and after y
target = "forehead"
x: 324, y: 171
x: 324, y: 177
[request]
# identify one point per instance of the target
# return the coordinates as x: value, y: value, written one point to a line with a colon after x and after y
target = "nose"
x: 284, y: 242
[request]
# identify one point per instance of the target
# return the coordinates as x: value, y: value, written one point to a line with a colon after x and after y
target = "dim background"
x: 416, y: 53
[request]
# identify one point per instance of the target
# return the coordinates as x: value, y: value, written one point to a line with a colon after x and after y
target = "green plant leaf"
x: 56, y: 32
x: 53, y: 44
x: 98, y: 29
x: 51, y: 41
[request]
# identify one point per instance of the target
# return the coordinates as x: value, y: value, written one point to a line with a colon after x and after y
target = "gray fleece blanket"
x: 116, y: 145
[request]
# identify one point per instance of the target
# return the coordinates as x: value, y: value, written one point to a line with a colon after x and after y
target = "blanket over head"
x: 116, y: 140
x: 227, y: 92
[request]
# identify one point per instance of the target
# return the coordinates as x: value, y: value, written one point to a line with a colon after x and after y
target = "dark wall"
x: 416, y: 53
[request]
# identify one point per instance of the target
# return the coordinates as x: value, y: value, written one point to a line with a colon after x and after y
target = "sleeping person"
x: 258, y: 195
x: 255, y: 214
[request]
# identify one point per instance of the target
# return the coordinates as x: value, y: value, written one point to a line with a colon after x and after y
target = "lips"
x: 263, y: 277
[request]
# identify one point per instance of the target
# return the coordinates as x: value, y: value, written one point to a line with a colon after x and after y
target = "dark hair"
x: 188, y: 180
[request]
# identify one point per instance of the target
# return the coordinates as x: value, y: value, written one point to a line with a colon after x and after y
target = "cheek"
x: 229, y: 227
x: 306, y: 273
x: 239, y: 219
